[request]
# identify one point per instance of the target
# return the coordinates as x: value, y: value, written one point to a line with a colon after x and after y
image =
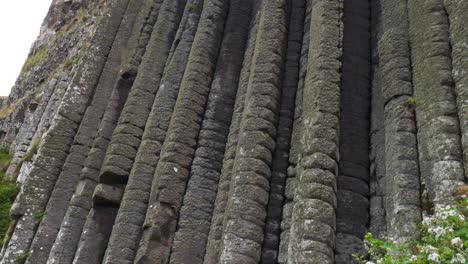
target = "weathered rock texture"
x: 234, y: 131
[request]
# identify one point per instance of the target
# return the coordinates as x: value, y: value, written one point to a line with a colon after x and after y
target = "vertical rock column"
x: 245, y: 214
x: 377, y: 223
x: 314, y: 217
x: 457, y: 26
x: 25, y: 136
x: 56, y: 144
x: 439, y: 139
x: 283, y: 142
x: 197, y: 210
x: 216, y: 227
x: 286, y: 218
x: 70, y: 175
x: 353, y: 177
x: 126, y: 233
x: 402, y: 202
x: 67, y: 239
x: 127, y: 136
x: 178, y: 149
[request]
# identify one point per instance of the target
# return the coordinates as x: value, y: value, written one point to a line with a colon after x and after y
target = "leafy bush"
x: 444, y: 239
x: 8, y: 192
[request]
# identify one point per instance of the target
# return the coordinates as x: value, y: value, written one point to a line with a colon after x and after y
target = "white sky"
x: 20, y: 22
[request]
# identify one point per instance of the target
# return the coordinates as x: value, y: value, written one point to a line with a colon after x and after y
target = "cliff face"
x: 242, y: 131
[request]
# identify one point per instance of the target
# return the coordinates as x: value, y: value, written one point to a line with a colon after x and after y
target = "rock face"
x: 234, y: 131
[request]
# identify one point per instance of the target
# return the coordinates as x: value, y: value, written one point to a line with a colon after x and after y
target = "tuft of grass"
x: 21, y: 258
x: 72, y: 62
x: 191, y: 6
x: 8, y: 192
x: 38, y: 215
x: 38, y: 56
x: 463, y: 190
x: 5, y: 159
x: 82, y: 14
x: 411, y: 101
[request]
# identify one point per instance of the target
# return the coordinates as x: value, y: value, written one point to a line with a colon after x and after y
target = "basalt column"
x: 197, y: 210
x: 214, y: 237
x: 177, y: 152
x: 286, y: 218
x: 402, y: 200
x: 67, y: 239
x: 281, y: 157
x: 456, y: 11
x: 57, y: 142
x: 353, y: 168
x: 314, y: 213
x: 69, y: 177
x: 245, y: 213
x: 439, y: 141
x: 126, y: 233
x: 127, y: 136
x: 377, y: 222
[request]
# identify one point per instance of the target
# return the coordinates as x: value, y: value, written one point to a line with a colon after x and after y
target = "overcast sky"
x: 20, y: 22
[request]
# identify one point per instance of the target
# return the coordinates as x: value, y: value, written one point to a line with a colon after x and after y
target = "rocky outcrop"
x: 234, y: 131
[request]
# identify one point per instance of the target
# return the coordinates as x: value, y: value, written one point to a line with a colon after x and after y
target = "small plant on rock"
x: 444, y: 239
x: 411, y: 101
x: 21, y: 258
x: 38, y: 215
x: 191, y: 7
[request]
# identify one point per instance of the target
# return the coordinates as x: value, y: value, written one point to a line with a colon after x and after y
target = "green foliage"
x: 38, y: 56
x: 82, y: 14
x: 8, y: 192
x: 71, y: 62
x: 411, y: 101
x: 444, y: 239
x: 21, y: 258
x: 191, y: 6
x: 38, y: 215
x: 5, y: 158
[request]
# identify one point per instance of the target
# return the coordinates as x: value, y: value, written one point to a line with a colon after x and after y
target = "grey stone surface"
x: 279, y: 169
x: 177, y: 152
x: 80, y: 203
x: 436, y: 110
x: 46, y: 168
x: 353, y: 189
x: 128, y: 132
x: 68, y: 179
x: 234, y: 131
x: 402, y: 201
x: 246, y: 209
x: 198, y: 204
x: 458, y: 33
x: 314, y: 215
x: 124, y: 240
x: 286, y: 219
